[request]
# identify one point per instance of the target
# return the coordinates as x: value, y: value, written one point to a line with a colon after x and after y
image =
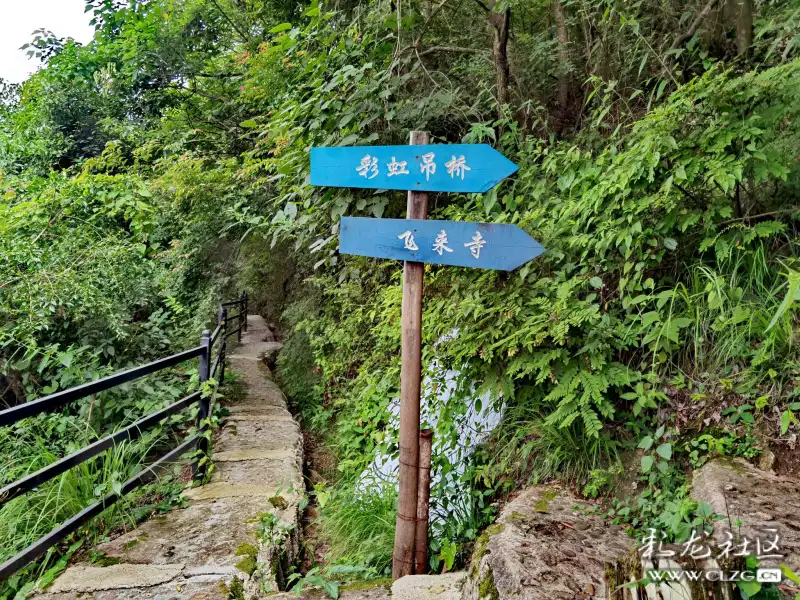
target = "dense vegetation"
x: 166, y: 163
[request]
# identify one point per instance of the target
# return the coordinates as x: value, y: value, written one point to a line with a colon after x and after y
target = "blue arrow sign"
x: 463, y: 168
x: 456, y: 243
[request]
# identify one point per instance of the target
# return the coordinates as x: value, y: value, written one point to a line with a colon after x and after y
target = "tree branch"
x: 688, y: 194
x: 428, y: 21
x: 229, y: 20
x: 215, y: 75
x: 433, y: 49
x: 698, y: 20
x: 483, y: 6
x: 198, y: 92
x: 761, y: 216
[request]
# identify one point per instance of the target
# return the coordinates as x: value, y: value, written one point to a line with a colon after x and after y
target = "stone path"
x: 198, y: 552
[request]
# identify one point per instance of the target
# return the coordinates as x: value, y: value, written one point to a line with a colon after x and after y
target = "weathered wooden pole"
x: 410, y: 378
x: 423, y: 501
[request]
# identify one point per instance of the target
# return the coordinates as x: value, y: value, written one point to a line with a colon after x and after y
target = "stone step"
x: 412, y: 587
x: 429, y: 587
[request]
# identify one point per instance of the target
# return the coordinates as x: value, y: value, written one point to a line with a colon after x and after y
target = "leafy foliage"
x: 165, y: 162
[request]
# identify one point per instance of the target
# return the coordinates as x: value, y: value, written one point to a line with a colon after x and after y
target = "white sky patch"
x: 18, y: 20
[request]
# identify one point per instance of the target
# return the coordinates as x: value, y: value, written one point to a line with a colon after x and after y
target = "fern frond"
x: 591, y: 422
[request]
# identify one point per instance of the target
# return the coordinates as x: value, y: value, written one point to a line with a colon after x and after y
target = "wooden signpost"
x: 420, y: 168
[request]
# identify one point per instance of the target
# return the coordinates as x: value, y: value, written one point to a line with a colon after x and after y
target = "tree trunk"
x: 742, y: 13
x: 712, y: 32
x: 500, y: 22
x: 563, y: 83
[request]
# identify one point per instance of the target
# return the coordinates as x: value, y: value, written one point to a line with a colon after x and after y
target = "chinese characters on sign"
x: 440, y: 244
x: 476, y: 244
x: 428, y: 166
x: 457, y: 166
x: 368, y: 167
x: 396, y: 167
x: 410, y: 244
x: 699, y: 546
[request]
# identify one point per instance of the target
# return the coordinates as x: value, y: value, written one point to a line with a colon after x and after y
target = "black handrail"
x: 232, y: 331
x: 216, y: 333
x: 131, y: 432
x: 232, y: 302
x: 59, y: 399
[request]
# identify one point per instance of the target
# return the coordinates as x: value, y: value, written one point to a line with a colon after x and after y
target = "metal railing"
x: 53, y: 402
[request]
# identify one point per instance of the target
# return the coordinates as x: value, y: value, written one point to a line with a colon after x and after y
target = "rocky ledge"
x: 760, y: 509
x: 545, y: 546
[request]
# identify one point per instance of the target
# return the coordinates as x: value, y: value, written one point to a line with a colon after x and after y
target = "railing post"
x: 246, y: 309
x: 242, y: 317
x: 224, y: 343
x: 203, y: 406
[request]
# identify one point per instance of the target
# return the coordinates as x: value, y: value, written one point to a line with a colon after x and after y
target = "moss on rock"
x: 480, y: 547
x: 367, y: 584
x: 236, y: 589
x: 487, y: 590
x: 279, y: 502
x: 106, y: 561
x: 249, y: 554
x: 542, y: 505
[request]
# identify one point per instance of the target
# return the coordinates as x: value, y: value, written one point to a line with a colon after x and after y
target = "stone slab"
x: 218, y: 490
x: 252, y: 454
x: 188, y: 589
x: 87, y: 578
x: 261, y: 417
x: 429, y: 587
x: 245, y: 435
x: 203, y: 535
x: 756, y: 504
x: 259, y: 408
x: 278, y: 474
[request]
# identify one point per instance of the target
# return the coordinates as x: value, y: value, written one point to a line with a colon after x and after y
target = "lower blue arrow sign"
x: 456, y: 243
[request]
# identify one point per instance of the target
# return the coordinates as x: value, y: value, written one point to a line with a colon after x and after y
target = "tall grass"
x: 358, y: 526
x: 529, y: 450
x: 26, y: 518
x: 738, y: 324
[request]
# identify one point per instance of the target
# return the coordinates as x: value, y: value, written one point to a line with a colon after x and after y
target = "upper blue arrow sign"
x: 456, y: 243
x: 467, y: 168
